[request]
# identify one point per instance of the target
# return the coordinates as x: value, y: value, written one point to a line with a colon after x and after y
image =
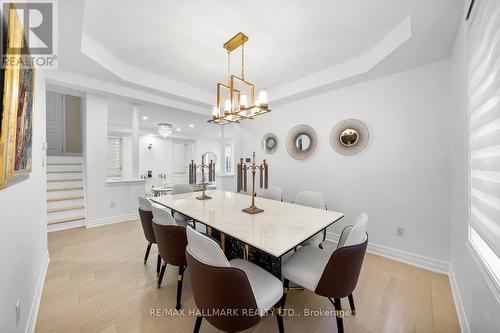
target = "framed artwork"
x: 16, y: 127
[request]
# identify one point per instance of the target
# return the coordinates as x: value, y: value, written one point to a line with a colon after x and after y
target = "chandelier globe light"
x: 164, y: 129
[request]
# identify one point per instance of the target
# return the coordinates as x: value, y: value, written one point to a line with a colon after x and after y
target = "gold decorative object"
x: 211, y: 175
x: 238, y: 104
x: 349, y: 137
x: 241, y: 185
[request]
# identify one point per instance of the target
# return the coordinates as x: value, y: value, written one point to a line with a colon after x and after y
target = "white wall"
x: 401, y: 179
x: 481, y: 309
x: 23, y: 232
x: 104, y: 202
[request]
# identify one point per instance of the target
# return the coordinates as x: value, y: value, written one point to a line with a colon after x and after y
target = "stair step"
x: 64, y: 163
x: 53, y: 189
x: 67, y: 219
x: 64, y: 159
x: 65, y: 180
x: 66, y: 171
x: 67, y: 197
x: 64, y: 209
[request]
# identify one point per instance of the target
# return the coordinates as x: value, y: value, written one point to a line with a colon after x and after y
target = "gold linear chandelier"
x: 236, y: 100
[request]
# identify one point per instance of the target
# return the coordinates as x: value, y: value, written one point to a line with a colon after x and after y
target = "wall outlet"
x: 400, y: 231
x: 112, y: 204
x: 18, y: 311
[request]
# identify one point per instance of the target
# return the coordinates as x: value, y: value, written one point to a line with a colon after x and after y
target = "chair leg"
x: 286, y: 283
x: 279, y: 318
x: 158, y: 266
x: 351, y: 303
x: 197, y: 325
x: 339, y: 315
x: 147, y: 252
x: 161, y: 274
x: 179, y: 286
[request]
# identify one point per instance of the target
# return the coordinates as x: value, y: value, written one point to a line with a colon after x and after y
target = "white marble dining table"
x: 280, y: 228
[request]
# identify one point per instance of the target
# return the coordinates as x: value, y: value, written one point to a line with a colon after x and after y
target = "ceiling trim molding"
x: 315, y: 83
x: 90, y: 85
x: 103, y: 57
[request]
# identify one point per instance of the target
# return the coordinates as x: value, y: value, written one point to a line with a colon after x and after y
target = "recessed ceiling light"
x: 144, y: 118
x: 178, y: 130
x: 191, y: 125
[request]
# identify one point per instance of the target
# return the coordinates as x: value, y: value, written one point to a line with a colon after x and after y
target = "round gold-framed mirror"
x: 349, y: 137
x: 301, y: 142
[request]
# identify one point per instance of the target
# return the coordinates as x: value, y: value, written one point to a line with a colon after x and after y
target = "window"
x: 115, y: 157
x: 228, y: 159
x: 179, y: 165
x: 484, y: 136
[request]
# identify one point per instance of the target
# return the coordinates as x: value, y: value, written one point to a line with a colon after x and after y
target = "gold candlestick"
x: 242, y: 181
x: 211, y: 176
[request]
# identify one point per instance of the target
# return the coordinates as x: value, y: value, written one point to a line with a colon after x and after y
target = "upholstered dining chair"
x: 186, y: 188
x: 314, y: 200
x: 146, y: 215
x: 330, y: 274
x: 237, y: 285
x: 171, y: 238
x: 273, y: 193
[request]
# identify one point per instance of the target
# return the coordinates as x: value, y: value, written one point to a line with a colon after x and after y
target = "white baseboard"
x: 432, y: 264
x: 112, y: 219
x: 35, y: 305
x: 459, y: 305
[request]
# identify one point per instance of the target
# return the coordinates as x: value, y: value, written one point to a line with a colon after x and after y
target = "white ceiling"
x: 288, y: 39
x: 170, y: 52
x: 120, y: 120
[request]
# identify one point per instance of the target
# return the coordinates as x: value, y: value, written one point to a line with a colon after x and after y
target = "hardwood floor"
x: 96, y: 282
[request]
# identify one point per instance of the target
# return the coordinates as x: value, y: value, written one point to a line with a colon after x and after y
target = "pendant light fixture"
x: 240, y: 101
x: 164, y: 129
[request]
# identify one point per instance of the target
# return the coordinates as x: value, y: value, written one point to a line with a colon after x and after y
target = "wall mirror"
x: 269, y: 143
x: 301, y: 142
x: 349, y: 137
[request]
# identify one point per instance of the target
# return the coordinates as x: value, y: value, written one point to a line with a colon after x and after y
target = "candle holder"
x: 211, y: 175
x: 242, y: 180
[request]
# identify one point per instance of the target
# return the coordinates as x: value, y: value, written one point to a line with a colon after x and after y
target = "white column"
x: 135, y: 141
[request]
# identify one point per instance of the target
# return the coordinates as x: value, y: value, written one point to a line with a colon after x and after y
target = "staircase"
x: 65, y: 192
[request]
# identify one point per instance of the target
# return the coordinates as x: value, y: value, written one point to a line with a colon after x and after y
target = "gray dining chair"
x: 186, y: 188
x: 146, y: 216
x: 332, y: 274
x: 272, y: 192
x: 237, y: 284
x: 314, y: 200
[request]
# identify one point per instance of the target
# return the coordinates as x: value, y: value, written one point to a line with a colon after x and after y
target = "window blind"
x: 484, y: 121
x: 114, y: 165
x: 179, y: 164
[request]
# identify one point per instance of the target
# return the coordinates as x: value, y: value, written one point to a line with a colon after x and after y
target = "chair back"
x: 310, y: 199
x: 182, y: 188
x: 144, y: 203
x: 162, y: 216
x: 340, y: 276
x: 146, y: 216
x: 172, y: 242
x: 205, y: 249
x: 273, y: 193
x: 218, y: 289
x: 354, y: 234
